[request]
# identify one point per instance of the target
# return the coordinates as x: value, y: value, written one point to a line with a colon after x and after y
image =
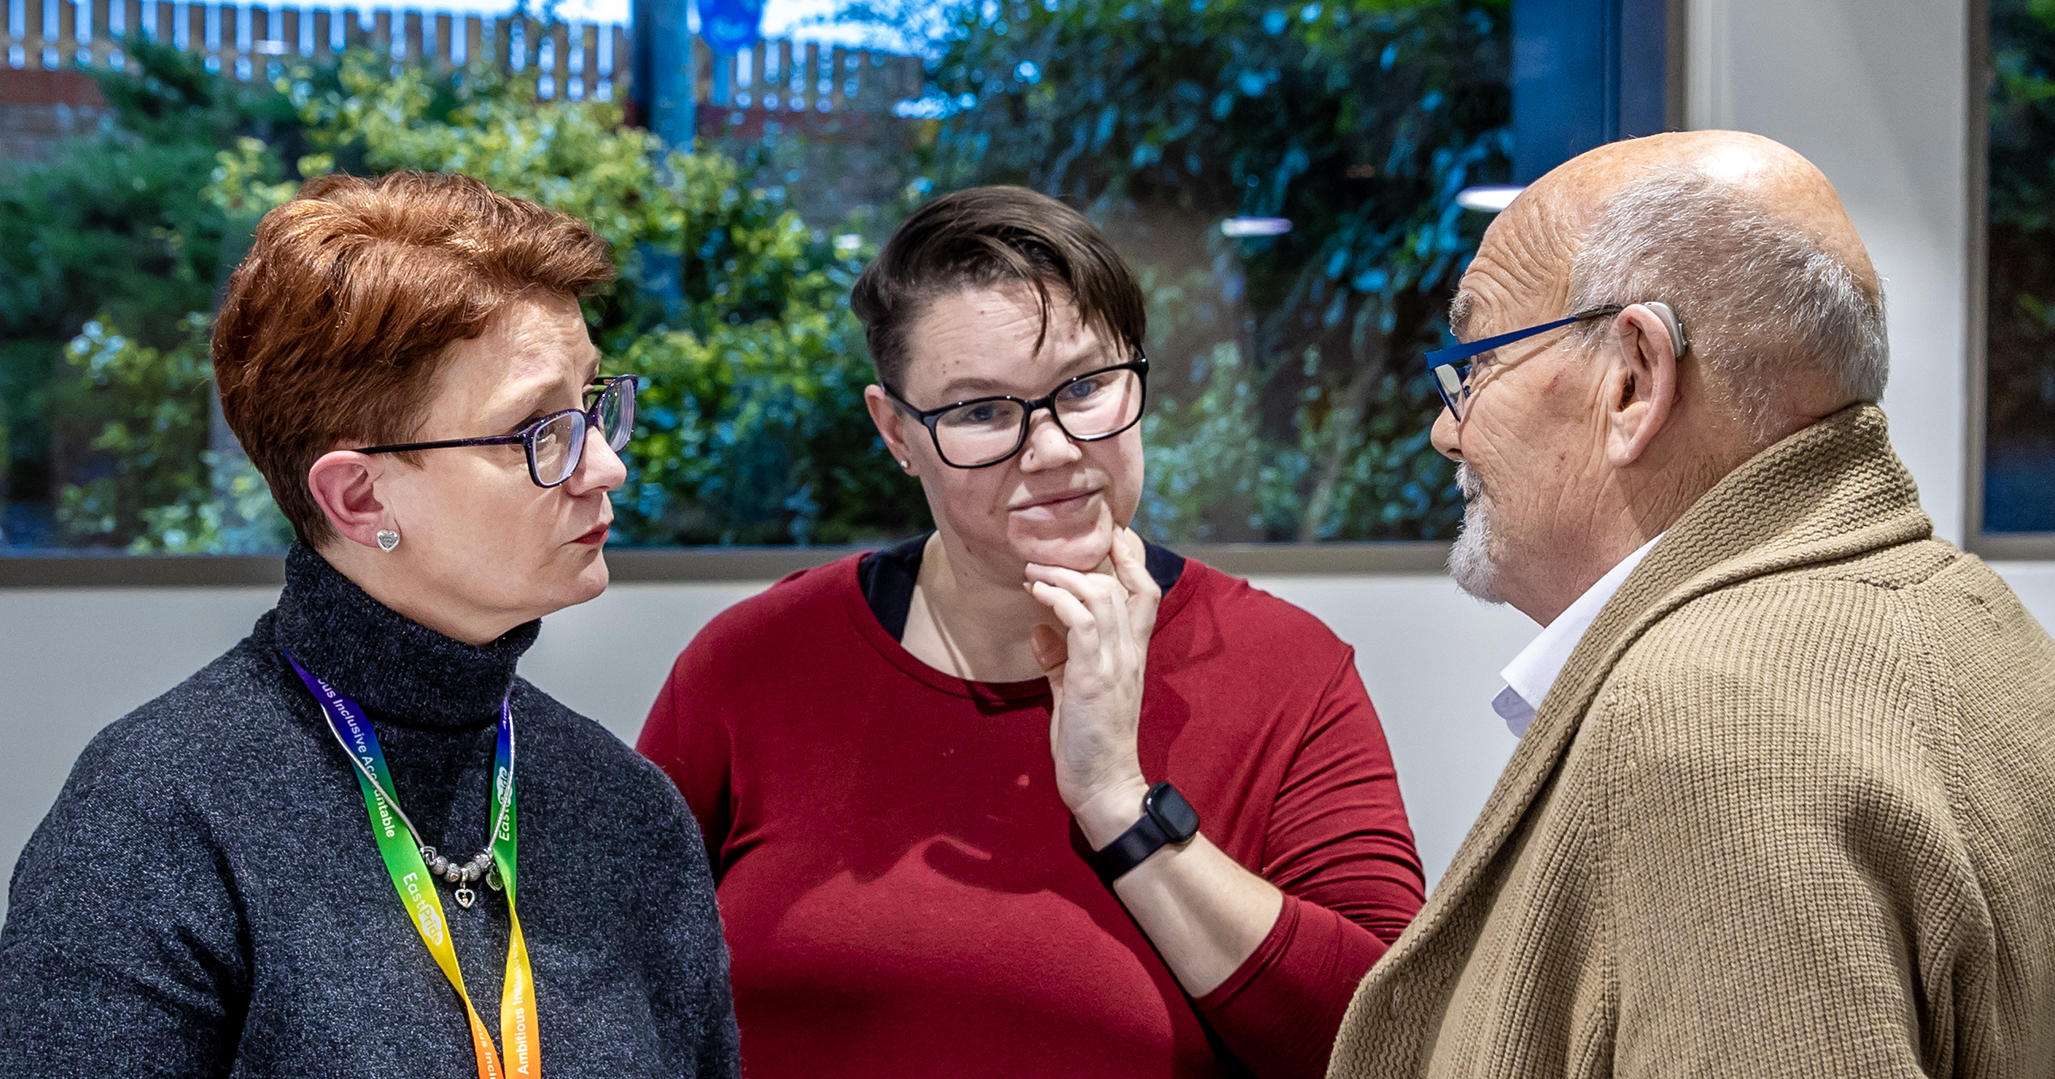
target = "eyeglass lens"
x: 1098, y: 405
x: 1449, y: 378
x: 557, y: 446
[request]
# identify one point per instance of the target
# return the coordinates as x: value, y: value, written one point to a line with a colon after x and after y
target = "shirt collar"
x: 1531, y: 673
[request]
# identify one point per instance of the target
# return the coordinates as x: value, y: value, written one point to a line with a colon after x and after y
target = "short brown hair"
x: 984, y: 236
x: 336, y: 322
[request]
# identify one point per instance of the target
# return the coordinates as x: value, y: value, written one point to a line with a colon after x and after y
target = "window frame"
x: 1994, y: 545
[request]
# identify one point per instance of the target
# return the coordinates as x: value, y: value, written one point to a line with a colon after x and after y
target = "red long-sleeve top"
x: 901, y: 887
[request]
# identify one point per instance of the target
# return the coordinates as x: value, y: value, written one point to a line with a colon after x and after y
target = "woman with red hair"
x: 318, y: 855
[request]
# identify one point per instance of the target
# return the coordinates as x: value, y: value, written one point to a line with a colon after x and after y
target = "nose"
x: 1047, y: 444
x: 1444, y: 434
x: 600, y: 469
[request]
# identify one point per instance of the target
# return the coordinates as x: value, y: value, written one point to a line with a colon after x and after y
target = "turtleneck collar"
x: 397, y: 668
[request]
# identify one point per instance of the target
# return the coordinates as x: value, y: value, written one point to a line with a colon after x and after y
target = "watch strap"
x: 1131, y: 849
x: 1166, y: 819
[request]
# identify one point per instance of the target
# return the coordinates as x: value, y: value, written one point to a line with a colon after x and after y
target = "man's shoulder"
x: 1839, y: 656
x: 1833, y: 605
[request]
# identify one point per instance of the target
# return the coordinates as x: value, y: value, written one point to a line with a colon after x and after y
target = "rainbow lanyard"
x: 416, y: 886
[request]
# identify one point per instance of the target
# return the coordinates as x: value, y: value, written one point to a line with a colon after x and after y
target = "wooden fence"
x: 566, y: 60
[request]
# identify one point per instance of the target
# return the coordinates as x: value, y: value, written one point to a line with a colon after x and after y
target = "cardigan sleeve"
x: 1340, y: 849
x: 1789, y: 894
x: 123, y: 952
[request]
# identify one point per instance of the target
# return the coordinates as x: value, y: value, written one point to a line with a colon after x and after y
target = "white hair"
x: 1764, y: 305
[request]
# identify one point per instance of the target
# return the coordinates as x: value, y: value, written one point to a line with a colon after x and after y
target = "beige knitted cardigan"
x: 1788, y: 811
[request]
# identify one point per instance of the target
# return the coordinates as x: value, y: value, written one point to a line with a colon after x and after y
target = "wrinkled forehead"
x: 1521, y: 271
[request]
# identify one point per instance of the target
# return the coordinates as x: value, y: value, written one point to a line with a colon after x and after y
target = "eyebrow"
x: 1459, y: 312
x: 961, y: 389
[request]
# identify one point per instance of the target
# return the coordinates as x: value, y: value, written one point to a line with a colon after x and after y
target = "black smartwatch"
x: 1167, y: 820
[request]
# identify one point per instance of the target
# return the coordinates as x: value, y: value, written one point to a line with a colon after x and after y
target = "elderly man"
x: 1784, y: 803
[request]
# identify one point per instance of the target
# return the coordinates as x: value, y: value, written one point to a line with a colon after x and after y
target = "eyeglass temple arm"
x: 1442, y: 357
x: 488, y: 440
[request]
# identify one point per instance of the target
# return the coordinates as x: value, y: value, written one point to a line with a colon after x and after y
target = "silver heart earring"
x: 388, y: 539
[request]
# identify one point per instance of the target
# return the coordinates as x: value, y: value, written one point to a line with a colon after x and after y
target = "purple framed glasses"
x: 555, y: 444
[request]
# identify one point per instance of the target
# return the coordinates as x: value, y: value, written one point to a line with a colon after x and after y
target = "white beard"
x: 1469, y: 558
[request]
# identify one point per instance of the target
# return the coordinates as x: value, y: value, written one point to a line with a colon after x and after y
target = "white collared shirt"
x: 1531, y: 673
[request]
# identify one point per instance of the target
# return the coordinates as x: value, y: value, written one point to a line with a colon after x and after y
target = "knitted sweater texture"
x: 205, y: 898
x: 1788, y: 811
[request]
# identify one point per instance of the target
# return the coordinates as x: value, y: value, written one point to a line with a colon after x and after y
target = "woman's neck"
x: 415, y: 600
x: 969, y: 622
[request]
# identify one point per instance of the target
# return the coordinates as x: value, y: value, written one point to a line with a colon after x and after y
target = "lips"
x: 597, y: 536
x: 1059, y: 500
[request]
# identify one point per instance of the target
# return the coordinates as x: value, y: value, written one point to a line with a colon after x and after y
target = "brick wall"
x: 38, y: 109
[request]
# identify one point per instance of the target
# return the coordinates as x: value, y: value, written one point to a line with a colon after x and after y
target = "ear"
x: 1641, y: 383
x: 345, y: 486
x: 891, y: 423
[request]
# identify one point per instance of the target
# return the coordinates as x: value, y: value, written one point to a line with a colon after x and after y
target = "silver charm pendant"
x: 465, y: 897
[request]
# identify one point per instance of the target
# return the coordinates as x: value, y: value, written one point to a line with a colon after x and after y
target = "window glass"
x: 1281, y: 175
x: 2019, y: 382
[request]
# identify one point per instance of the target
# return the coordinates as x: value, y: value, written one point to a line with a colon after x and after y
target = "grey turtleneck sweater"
x: 205, y: 898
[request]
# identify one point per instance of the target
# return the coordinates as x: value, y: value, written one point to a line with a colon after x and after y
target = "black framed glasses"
x: 555, y: 444
x: 1451, y: 366
x: 984, y: 431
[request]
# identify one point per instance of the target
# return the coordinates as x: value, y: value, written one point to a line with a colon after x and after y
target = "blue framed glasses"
x: 555, y: 444
x: 1451, y: 366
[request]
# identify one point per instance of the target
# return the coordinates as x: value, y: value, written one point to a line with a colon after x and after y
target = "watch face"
x: 1172, y: 813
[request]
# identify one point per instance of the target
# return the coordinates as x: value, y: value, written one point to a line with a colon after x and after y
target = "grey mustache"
x: 1467, y: 482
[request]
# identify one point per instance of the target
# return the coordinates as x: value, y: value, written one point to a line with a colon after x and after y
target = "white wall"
x: 1874, y: 91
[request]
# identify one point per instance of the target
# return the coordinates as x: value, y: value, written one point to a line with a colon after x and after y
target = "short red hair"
x: 336, y: 322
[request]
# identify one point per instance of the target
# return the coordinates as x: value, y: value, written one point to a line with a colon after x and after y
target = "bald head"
x: 1764, y: 173
x: 1744, y: 237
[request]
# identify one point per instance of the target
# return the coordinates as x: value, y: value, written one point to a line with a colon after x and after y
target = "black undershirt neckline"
x: 888, y: 574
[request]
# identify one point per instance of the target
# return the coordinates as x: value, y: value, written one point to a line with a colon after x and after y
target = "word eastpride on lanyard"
x: 411, y: 878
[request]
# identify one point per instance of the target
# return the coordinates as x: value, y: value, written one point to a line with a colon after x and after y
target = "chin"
x: 593, y: 579
x: 1470, y: 559
x: 583, y: 584
x: 1083, y: 552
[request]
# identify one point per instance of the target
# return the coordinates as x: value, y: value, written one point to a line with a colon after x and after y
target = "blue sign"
x: 730, y: 25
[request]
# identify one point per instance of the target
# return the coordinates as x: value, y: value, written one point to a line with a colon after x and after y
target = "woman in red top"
x: 1028, y: 796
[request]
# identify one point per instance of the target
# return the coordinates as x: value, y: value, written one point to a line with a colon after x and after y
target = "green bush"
x: 1287, y: 400
x: 730, y: 306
